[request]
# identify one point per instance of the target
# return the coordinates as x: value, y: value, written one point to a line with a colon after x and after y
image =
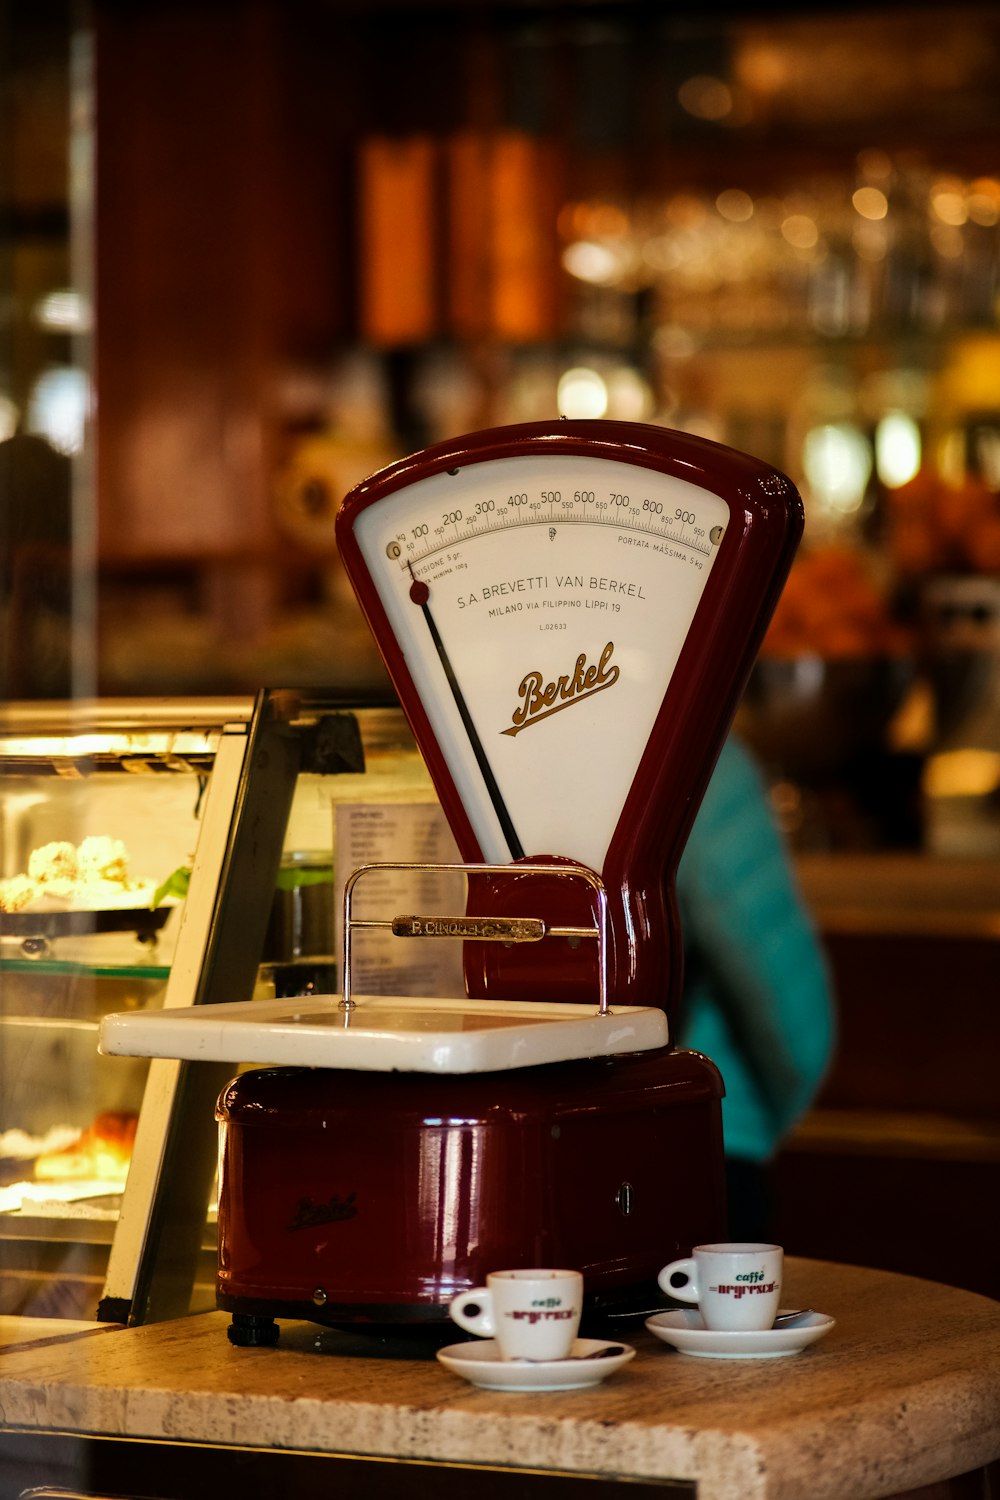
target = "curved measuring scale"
x: 569, y: 612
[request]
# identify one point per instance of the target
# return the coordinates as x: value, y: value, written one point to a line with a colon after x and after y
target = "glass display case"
x: 158, y: 853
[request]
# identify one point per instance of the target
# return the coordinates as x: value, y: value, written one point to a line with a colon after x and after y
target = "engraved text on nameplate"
x: 483, y: 929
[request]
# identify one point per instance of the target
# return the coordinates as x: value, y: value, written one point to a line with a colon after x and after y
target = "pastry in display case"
x: 97, y: 802
x: 156, y: 853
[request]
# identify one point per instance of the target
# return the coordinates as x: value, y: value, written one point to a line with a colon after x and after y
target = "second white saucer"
x: 684, y: 1328
x: 591, y: 1361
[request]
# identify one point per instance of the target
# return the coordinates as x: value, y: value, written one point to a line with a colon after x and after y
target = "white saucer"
x: 684, y: 1329
x: 481, y: 1364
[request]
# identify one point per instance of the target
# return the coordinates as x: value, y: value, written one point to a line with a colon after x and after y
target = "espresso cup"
x: 737, y: 1285
x: 532, y: 1314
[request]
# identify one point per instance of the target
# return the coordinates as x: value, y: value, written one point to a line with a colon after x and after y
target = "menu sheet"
x: 401, y: 833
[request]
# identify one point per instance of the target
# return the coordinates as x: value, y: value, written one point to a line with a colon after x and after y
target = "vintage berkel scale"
x: 569, y: 612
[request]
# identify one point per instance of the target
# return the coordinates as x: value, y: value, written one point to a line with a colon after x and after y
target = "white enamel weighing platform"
x: 385, y: 1033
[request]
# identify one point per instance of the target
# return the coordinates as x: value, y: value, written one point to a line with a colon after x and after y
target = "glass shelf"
x: 76, y: 968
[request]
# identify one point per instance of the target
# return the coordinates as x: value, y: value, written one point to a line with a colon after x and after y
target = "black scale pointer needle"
x: 420, y: 594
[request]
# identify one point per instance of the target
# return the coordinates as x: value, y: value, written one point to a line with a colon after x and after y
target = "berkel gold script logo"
x: 541, y: 699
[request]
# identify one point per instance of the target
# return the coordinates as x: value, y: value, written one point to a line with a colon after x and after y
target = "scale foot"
x: 248, y: 1331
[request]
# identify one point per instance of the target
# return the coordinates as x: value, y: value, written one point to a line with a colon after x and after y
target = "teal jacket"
x: 758, y: 997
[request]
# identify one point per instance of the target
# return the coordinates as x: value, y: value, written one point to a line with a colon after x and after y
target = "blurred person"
x: 758, y: 996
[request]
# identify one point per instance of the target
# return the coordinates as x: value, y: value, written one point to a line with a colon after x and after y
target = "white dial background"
x: 562, y: 590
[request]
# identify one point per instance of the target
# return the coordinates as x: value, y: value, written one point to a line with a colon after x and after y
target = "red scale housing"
x: 347, y: 1197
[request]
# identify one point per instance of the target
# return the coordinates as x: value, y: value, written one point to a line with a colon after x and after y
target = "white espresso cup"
x: 737, y: 1285
x: 532, y: 1314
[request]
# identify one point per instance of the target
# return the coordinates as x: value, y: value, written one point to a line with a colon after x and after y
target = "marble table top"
x: 903, y: 1392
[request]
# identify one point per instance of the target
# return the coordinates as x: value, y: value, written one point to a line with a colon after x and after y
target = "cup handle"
x: 473, y: 1311
x: 686, y: 1289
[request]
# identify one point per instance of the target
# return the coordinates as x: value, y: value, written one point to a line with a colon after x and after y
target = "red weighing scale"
x: 569, y: 612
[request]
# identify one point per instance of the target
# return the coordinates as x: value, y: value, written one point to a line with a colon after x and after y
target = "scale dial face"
x: 569, y: 612
x: 541, y: 604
